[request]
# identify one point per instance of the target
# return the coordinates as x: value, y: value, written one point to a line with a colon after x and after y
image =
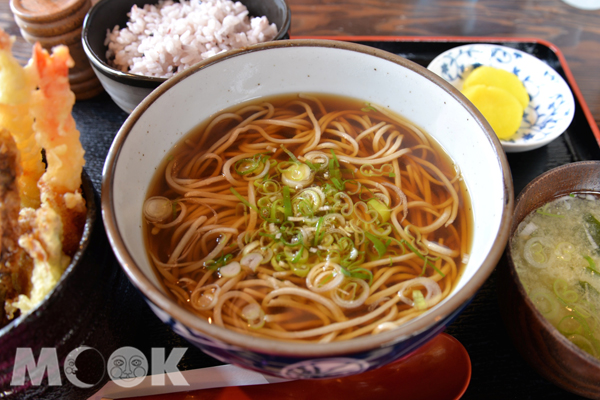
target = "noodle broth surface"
x: 308, y: 217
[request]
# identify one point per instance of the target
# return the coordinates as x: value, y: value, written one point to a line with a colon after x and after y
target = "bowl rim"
x: 555, y: 334
x: 141, y: 80
x: 286, y: 348
x: 520, y: 146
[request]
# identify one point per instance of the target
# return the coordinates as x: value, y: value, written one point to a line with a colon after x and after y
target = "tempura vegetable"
x: 47, y: 222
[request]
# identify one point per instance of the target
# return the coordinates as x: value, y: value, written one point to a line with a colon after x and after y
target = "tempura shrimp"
x: 54, y: 125
x: 55, y: 131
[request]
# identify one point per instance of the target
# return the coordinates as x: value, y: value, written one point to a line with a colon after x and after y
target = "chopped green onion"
x: 337, y: 183
x: 254, y: 314
x: 250, y: 165
x: 367, y: 191
x: 586, y: 286
x: 592, y: 228
x: 318, y: 233
x: 301, y: 270
x: 382, y: 209
x: 369, y: 170
x: 335, y: 160
x: 591, y: 265
x: 561, y: 290
x: 335, y: 174
x: 289, y: 153
x: 299, y: 255
x: 368, y: 107
x: 296, y: 175
x: 543, y: 211
x: 377, y: 244
x: 312, y: 166
x: 267, y: 178
x: 287, y: 202
x: 570, y: 324
x: 418, y: 300
x: 359, y: 273
x: 219, y: 262
x: 243, y: 200
x: 422, y: 257
x: 545, y: 301
x: 582, y: 310
x: 325, y: 280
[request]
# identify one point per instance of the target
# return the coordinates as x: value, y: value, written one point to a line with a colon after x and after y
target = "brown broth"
x: 421, y: 182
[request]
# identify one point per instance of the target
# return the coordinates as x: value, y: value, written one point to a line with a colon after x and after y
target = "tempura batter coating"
x: 54, y: 125
x: 47, y: 222
x: 16, y: 86
x: 55, y: 131
x: 15, y: 265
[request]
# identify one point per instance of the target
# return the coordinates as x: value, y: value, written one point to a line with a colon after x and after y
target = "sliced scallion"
x: 242, y: 199
x: 419, y: 300
x: 287, y: 202
x: 379, y: 246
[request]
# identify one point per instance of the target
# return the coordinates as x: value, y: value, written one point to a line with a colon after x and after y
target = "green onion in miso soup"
x: 556, y: 251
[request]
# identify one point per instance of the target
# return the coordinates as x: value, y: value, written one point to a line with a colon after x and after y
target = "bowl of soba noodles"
x: 307, y: 208
x: 550, y: 286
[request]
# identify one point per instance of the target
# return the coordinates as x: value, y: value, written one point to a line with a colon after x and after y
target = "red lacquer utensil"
x: 440, y: 369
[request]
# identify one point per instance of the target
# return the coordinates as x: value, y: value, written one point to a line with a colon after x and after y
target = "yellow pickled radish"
x: 490, y: 76
x: 500, y: 108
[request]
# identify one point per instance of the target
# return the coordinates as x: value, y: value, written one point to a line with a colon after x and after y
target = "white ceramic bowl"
x: 551, y: 107
x: 310, y: 66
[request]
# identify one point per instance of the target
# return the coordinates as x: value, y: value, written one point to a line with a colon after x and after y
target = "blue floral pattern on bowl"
x: 551, y: 107
x: 304, y: 368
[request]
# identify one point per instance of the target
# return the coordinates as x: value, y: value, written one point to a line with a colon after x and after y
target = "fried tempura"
x: 55, y: 131
x: 42, y: 241
x: 17, y: 84
x: 35, y: 106
x: 15, y: 265
x: 54, y: 125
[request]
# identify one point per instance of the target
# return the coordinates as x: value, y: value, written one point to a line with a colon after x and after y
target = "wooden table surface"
x: 575, y: 32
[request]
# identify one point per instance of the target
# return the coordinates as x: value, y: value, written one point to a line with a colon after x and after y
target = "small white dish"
x: 551, y: 106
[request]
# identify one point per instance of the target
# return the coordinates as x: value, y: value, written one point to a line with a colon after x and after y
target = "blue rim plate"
x: 551, y: 107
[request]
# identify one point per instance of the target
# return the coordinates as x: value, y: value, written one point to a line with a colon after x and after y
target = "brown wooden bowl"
x: 539, y: 343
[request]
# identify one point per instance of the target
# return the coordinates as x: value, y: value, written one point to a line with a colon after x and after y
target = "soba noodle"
x: 312, y: 218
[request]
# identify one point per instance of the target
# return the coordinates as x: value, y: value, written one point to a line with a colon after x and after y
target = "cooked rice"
x: 161, y: 40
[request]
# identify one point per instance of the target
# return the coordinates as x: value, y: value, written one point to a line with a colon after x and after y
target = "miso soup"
x: 556, y: 252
